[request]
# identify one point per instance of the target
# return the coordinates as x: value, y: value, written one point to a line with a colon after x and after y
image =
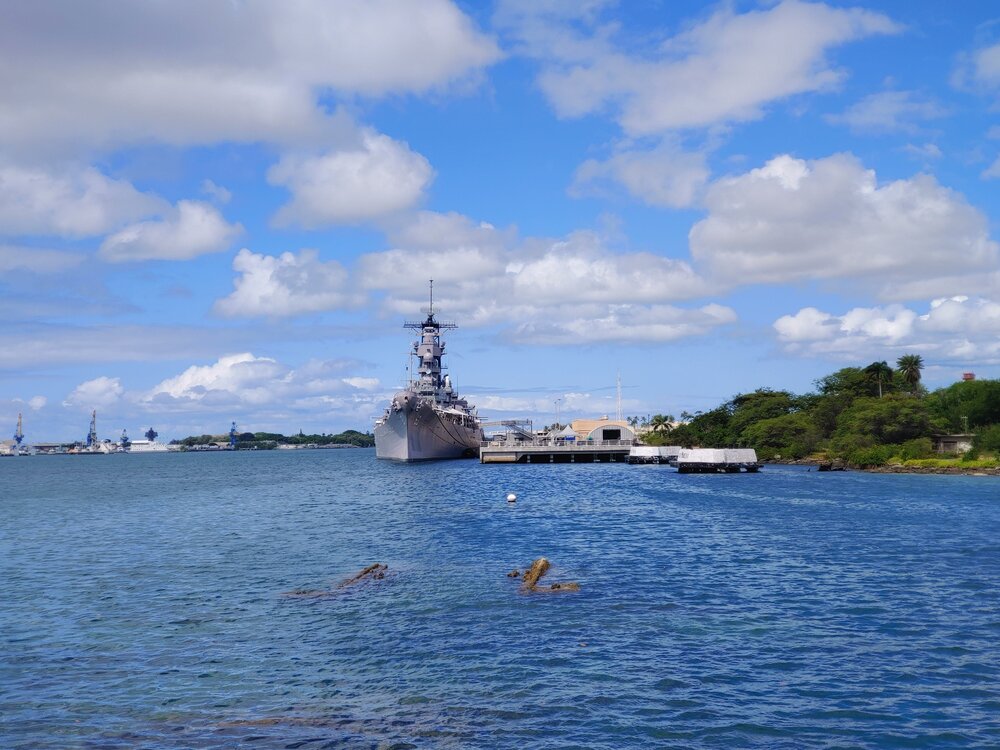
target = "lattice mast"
x: 429, y: 348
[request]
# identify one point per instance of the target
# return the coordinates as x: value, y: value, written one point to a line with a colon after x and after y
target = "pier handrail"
x: 581, y: 445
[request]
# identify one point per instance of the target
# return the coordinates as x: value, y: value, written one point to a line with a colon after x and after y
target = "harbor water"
x: 143, y: 604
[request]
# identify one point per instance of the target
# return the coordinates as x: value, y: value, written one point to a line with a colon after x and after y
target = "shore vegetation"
x: 865, y: 416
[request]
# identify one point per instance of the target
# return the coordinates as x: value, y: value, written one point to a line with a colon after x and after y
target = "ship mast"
x: 19, y: 434
x: 429, y: 349
x: 92, y: 435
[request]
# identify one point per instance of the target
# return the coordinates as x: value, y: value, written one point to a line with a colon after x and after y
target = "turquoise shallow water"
x: 141, y: 606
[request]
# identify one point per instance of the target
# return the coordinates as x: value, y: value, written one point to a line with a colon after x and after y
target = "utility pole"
x: 618, y: 409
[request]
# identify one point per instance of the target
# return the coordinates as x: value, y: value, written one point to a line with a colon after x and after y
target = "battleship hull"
x: 424, y: 433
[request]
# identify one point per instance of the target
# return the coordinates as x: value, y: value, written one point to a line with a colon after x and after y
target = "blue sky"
x: 224, y: 211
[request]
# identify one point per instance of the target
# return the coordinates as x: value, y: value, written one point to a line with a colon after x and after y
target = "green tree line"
x: 268, y: 440
x: 864, y: 416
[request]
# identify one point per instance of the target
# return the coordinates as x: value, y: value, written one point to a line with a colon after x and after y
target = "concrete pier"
x: 554, y: 452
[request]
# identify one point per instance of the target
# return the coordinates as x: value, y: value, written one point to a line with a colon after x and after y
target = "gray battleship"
x: 427, y: 420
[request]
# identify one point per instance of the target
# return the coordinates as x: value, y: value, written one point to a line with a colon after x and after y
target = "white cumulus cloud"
x: 959, y: 328
x: 726, y: 68
x: 827, y: 219
x: 539, y: 290
x: 664, y: 176
x: 69, y: 202
x: 245, y: 380
x: 189, y: 72
x: 193, y: 228
x: 97, y: 393
x: 379, y: 176
x: 288, y: 284
x: 624, y: 324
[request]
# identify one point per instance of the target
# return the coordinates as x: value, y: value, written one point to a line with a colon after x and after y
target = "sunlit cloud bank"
x: 725, y: 68
x: 188, y: 73
x: 797, y: 220
x: 957, y: 329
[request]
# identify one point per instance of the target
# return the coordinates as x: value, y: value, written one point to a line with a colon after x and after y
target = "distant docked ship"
x: 147, y: 446
x: 427, y: 420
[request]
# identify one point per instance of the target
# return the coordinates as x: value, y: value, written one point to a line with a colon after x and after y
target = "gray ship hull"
x: 424, y: 434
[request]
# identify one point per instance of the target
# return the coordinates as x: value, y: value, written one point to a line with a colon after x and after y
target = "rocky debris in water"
x: 538, y: 568
x: 375, y: 572
x: 529, y: 584
x: 515, y: 573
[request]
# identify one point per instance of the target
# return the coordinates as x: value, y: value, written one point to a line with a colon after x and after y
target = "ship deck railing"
x: 556, y: 445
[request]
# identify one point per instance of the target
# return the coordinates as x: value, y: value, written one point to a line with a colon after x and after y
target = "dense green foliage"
x: 269, y: 440
x: 865, y: 416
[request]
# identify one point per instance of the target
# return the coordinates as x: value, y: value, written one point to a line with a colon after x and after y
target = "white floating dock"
x: 712, y: 460
x: 653, y: 454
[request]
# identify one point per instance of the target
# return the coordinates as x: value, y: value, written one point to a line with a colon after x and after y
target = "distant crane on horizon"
x: 92, y: 435
x: 19, y: 433
x: 232, y: 436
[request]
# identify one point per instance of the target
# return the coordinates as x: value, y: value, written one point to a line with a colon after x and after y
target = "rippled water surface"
x: 143, y: 604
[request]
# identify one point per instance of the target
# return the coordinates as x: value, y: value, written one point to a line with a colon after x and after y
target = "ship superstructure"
x: 428, y: 420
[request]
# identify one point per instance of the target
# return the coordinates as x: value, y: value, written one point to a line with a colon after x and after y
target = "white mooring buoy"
x: 511, y: 497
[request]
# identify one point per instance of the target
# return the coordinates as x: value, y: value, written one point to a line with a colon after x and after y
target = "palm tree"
x: 661, y: 422
x: 909, y: 366
x: 880, y: 372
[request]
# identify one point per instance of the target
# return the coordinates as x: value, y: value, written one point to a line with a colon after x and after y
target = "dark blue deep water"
x: 142, y: 606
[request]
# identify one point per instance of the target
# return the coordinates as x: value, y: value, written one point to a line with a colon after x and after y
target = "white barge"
x: 712, y: 460
x: 653, y: 454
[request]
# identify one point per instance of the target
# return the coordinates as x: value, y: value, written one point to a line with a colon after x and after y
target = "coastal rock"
x: 539, y: 568
x: 374, y: 572
x: 565, y: 587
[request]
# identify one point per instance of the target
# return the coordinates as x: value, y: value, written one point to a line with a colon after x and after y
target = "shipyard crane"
x: 232, y: 437
x: 19, y: 434
x: 124, y: 442
x: 92, y: 435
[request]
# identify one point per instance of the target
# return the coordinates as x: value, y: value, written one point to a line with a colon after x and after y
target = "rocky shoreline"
x: 955, y: 470
x: 898, y: 468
